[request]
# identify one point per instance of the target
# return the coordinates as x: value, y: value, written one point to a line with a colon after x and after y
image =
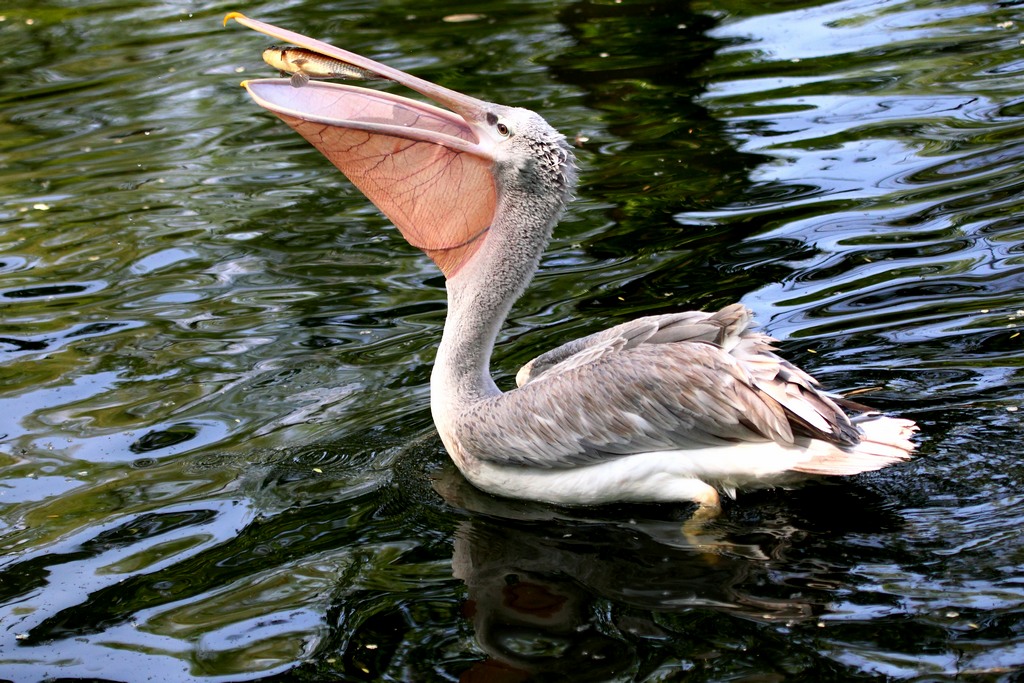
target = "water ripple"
x: 214, y: 420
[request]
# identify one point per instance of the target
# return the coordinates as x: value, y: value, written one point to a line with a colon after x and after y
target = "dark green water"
x: 217, y: 460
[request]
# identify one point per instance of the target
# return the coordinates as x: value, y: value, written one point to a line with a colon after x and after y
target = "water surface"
x: 217, y: 460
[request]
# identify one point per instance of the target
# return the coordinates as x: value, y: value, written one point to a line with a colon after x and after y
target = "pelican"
x: 666, y: 408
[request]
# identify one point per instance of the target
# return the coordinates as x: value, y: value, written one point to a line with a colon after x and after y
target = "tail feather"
x: 883, y: 441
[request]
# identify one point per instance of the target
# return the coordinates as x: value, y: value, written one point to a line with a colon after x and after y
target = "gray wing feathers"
x: 723, y: 328
x: 662, y: 383
x: 647, y: 398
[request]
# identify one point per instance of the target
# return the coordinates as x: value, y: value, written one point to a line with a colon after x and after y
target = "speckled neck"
x: 482, y: 293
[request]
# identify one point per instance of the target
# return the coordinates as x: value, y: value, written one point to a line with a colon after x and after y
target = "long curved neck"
x: 481, y: 294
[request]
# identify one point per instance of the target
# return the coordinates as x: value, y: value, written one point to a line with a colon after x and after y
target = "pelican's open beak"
x: 430, y: 170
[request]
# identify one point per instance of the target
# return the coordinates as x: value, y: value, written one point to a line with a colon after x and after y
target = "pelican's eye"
x: 503, y: 130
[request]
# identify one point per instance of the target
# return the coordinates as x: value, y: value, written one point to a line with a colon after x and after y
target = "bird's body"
x: 663, y: 408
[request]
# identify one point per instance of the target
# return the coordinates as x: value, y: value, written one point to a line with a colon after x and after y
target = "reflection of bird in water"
x: 663, y: 408
x: 540, y: 582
